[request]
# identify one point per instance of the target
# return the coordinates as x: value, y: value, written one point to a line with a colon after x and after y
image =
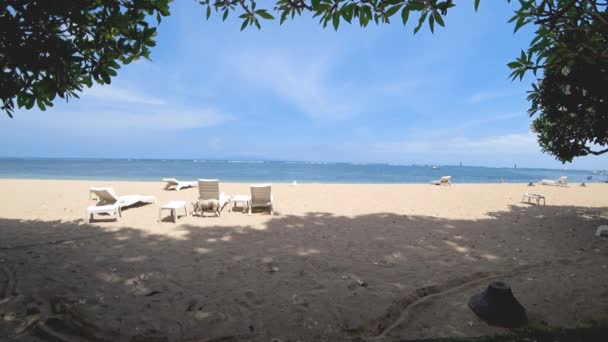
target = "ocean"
x: 273, y: 171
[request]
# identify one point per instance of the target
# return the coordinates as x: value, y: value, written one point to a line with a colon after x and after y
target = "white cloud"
x: 508, y: 143
x: 303, y: 84
x: 488, y: 95
x: 308, y: 84
x: 159, y: 120
x: 122, y: 121
x: 114, y: 94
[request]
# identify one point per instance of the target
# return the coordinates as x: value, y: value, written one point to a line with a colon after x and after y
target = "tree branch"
x: 595, y: 153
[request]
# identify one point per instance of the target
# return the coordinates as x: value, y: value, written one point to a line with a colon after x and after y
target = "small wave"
x: 246, y: 161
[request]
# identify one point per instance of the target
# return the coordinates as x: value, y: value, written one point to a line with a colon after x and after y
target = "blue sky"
x: 299, y: 92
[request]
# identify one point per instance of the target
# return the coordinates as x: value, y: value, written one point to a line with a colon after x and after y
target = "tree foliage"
x: 68, y: 44
x: 569, y: 101
x: 54, y: 48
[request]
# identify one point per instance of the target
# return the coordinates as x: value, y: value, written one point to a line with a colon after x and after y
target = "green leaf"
x: 514, y: 65
x: 432, y: 24
x: 476, y: 5
x: 20, y: 100
x: 438, y: 18
x: 40, y: 104
x: 336, y: 20
x: 29, y: 101
x: 284, y: 16
x: 368, y: 14
x: 208, y: 12
x: 405, y: 14
x: 420, y: 22
x: 105, y: 77
x: 347, y: 12
x: 225, y: 15
x: 264, y: 14
x: 520, y: 23
x: 363, y: 20
x: 245, y: 23
x: 391, y: 11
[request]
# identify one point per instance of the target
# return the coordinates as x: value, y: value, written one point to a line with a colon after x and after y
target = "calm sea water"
x: 272, y: 171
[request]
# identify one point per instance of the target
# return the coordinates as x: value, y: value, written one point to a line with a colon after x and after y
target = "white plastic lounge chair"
x: 209, y: 189
x: 109, y: 203
x: 177, y: 185
x: 562, y: 181
x: 92, y: 192
x: 443, y: 181
x: 261, y: 197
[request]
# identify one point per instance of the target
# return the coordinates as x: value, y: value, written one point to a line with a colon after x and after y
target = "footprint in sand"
x: 251, y: 300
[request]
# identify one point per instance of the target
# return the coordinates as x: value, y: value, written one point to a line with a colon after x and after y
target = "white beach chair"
x: 209, y: 189
x: 562, y: 181
x: 261, y: 197
x: 109, y: 203
x: 443, y: 181
x: 177, y: 185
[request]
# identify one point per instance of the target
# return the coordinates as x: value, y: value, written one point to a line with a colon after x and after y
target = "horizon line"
x: 251, y: 160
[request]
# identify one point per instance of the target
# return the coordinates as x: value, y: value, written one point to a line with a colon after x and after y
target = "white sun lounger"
x: 261, y: 197
x: 209, y: 189
x: 109, y: 203
x: 177, y: 185
x: 443, y: 181
x: 562, y: 181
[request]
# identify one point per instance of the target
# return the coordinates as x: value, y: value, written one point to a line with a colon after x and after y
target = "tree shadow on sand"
x: 296, y: 277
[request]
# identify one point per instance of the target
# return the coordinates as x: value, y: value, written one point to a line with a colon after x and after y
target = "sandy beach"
x: 422, y: 251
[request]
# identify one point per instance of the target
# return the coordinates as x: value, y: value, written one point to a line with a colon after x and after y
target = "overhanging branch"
x: 595, y: 153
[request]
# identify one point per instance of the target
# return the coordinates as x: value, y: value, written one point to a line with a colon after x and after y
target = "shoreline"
x: 122, y: 180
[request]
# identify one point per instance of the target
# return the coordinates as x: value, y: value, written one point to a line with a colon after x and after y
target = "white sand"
x: 422, y: 249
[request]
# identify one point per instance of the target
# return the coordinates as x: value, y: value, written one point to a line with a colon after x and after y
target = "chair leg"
x: 271, y: 210
x: 89, y: 217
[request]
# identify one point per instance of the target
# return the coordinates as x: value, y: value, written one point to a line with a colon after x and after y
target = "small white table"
x: 243, y: 199
x: 535, y: 197
x: 173, y: 206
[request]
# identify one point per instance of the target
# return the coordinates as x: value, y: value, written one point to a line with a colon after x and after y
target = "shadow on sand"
x: 295, y: 278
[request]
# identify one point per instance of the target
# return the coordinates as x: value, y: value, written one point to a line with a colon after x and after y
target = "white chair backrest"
x: 170, y: 180
x: 208, y: 189
x: 106, y: 195
x: 445, y: 179
x: 562, y: 179
x: 261, y: 194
